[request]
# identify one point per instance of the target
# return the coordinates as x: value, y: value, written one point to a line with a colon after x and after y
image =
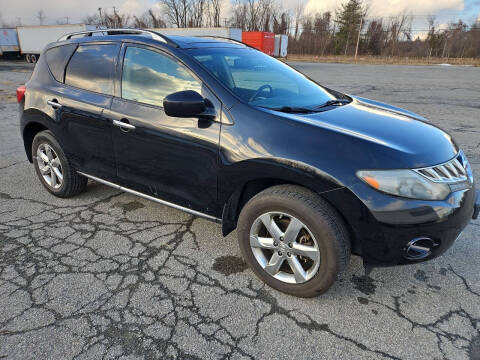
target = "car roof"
x: 184, y: 42
x: 204, y: 41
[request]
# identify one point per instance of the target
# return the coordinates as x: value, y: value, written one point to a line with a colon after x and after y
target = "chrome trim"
x: 54, y: 104
x: 148, y: 197
x: 123, y: 125
x: 154, y: 35
x: 452, y: 171
x: 413, y: 251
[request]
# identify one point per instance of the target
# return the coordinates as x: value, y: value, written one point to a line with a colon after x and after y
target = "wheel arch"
x: 237, y: 188
x: 243, y: 193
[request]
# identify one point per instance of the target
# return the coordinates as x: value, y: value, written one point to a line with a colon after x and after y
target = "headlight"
x: 405, y: 183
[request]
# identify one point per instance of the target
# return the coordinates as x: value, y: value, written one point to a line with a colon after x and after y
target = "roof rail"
x: 154, y: 35
x: 225, y: 38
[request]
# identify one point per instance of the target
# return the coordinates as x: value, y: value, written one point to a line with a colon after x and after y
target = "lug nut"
x: 280, y: 253
x: 275, y: 243
x: 281, y: 238
x: 290, y: 245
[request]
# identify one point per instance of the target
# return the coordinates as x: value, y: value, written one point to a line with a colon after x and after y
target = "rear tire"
x: 321, y: 246
x: 53, y: 168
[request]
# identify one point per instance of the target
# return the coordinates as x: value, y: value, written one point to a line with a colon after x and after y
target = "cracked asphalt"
x: 107, y: 275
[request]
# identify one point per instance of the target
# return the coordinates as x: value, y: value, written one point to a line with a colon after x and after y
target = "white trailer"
x: 229, y: 33
x: 8, y: 41
x: 281, y: 46
x: 32, y: 39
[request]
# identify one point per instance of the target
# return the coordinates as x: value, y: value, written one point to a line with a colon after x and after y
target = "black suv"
x: 307, y: 175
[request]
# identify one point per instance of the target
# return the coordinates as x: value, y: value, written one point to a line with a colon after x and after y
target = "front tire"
x: 53, y: 168
x: 293, y: 240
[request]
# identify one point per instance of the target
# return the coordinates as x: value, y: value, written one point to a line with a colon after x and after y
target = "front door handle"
x: 54, y: 104
x: 123, y: 124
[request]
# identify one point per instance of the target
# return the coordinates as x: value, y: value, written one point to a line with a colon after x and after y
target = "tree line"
x: 348, y: 30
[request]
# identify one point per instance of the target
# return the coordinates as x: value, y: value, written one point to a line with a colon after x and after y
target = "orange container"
x: 261, y: 40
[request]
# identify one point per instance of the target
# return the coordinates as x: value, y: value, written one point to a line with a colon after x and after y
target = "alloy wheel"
x: 50, y: 166
x: 284, y: 247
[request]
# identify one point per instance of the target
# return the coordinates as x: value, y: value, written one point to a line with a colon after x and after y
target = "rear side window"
x: 92, y: 68
x: 57, y: 58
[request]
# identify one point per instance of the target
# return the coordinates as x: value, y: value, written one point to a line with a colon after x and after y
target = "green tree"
x: 348, y: 19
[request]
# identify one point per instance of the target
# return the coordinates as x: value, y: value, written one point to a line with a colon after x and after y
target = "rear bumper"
x: 383, y: 227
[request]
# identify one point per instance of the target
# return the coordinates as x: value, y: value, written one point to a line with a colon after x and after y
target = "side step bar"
x: 148, y: 197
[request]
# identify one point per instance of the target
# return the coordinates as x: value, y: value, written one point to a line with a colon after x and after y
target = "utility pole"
x: 358, y: 37
x: 100, y: 19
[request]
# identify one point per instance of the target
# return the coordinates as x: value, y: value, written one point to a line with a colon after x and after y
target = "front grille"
x: 450, y: 172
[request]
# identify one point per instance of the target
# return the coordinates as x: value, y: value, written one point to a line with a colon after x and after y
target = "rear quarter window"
x: 57, y: 59
x: 92, y: 68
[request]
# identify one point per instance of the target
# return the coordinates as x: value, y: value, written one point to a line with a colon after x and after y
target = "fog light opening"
x: 419, y: 248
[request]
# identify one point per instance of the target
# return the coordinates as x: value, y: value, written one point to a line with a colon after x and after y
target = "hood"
x: 383, y: 136
x: 387, y: 107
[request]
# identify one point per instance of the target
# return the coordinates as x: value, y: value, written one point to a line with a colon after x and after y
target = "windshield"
x: 261, y: 80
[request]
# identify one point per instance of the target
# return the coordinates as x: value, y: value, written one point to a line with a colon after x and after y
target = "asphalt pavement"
x: 107, y: 275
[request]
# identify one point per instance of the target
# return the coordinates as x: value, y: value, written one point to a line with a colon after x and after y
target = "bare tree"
x: 176, y: 11
x: 41, y: 16
x: 214, y: 13
x: 298, y: 15
x: 196, y: 13
x: 253, y: 15
x: 156, y: 21
x: 109, y: 20
x: 432, y: 37
x: 399, y: 25
x: 375, y: 37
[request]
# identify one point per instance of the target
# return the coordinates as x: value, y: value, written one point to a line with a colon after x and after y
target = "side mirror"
x: 184, y: 104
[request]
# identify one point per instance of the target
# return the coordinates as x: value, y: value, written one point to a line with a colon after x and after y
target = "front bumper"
x: 476, y: 209
x: 383, y: 226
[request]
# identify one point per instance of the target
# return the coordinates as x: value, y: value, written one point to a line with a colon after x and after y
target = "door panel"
x: 88, y: 91
x: 170, y: 158
x: 87, y: 132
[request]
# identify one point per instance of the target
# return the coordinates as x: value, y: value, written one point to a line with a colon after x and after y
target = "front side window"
x: 261, y: 80
x: 148, y: 76
x: 92, y: 68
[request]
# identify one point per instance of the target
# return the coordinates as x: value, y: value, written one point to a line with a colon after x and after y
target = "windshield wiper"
x: 294, y: 110
x: 335, y: 102
x: 303, y: 110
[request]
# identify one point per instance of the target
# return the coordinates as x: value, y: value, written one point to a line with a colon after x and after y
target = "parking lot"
x: 113, y: 276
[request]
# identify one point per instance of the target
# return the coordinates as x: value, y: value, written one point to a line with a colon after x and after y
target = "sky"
x: 25, y: 11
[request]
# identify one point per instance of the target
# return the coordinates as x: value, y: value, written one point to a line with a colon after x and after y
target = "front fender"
x: 236, y: 175
x: 240, y: 181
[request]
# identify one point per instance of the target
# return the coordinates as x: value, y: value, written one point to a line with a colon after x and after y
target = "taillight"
x: 21, y: 93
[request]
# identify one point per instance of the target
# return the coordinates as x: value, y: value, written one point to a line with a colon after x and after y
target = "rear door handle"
x: 54, y: 104
x: 123, y: 124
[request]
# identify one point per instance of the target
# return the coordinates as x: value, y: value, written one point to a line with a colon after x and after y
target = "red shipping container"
x: 261, y: 40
